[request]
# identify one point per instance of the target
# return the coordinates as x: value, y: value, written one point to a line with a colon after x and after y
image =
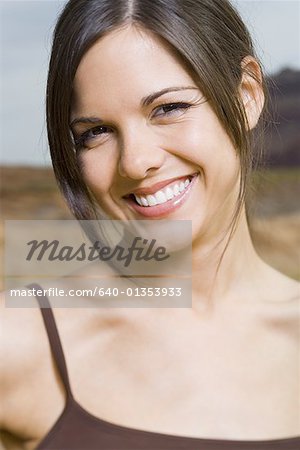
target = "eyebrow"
x: 146, y: 101
x: 91, y: 120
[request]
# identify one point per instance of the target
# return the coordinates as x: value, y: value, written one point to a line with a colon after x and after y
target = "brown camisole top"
x: 77, y: 429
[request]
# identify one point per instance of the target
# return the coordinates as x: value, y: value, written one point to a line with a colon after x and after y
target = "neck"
x: 224, y: 267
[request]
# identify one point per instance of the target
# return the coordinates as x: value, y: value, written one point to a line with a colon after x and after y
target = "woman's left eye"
x: 170, y: 109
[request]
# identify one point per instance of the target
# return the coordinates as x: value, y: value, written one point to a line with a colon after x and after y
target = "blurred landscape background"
x: 31, y: 192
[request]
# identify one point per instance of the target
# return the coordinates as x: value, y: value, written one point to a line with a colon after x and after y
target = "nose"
x: 140, y: 154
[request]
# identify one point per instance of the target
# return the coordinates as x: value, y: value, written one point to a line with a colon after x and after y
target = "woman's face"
x: 148, y: 136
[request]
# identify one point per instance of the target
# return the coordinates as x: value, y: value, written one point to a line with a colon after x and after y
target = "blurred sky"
x: 26, y: 29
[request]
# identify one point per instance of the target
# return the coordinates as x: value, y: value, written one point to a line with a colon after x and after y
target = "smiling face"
x: 150, y: 144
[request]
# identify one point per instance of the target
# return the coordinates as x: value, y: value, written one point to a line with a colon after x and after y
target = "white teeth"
x: 176, y: 189
x: 162, y: 196
x: 143, y: 200
x: 139, y: 200
x: 169, y: 193
x: 151, y: 200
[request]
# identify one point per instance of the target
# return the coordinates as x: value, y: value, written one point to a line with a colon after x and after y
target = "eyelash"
x: 81, y: 141
x: 173, y: 106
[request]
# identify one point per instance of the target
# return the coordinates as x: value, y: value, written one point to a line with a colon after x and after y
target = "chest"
x: 201, y: 383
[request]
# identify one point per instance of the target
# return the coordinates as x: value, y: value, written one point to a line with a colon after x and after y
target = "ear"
x: 251, y: 90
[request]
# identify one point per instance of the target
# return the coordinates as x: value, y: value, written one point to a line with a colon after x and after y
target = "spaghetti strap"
x: 53, y: 337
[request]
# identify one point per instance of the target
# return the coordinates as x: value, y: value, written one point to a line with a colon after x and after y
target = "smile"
x: 164, y: 195
x: 164, y: 200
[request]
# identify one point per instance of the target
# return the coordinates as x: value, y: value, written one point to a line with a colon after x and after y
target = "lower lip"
x: 164, y: 208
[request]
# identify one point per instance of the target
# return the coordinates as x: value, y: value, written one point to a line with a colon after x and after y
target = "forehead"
x: 129, y: 61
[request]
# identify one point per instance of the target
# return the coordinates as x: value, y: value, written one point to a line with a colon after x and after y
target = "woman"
x: 143, y: 96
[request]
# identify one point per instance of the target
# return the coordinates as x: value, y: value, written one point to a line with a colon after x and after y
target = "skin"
x: 237, y: 349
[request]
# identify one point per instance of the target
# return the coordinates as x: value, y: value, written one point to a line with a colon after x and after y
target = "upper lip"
x: 148, y: 190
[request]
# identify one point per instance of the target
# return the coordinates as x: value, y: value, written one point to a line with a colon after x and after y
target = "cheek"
x: 98, y: 168
x: 203, y: 142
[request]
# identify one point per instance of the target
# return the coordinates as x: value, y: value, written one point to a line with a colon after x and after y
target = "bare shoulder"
x: 20, y: 329
x: 281, y: 296
x: 29, y: 371
x: 22, y: 342
x: 278, y: 286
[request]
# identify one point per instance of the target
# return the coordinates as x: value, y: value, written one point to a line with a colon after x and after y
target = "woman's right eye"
x: 92, y: 137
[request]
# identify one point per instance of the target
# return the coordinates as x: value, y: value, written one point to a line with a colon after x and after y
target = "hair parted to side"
x: 208, y: 36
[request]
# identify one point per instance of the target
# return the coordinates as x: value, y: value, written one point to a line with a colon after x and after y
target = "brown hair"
x: 209, y: 37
